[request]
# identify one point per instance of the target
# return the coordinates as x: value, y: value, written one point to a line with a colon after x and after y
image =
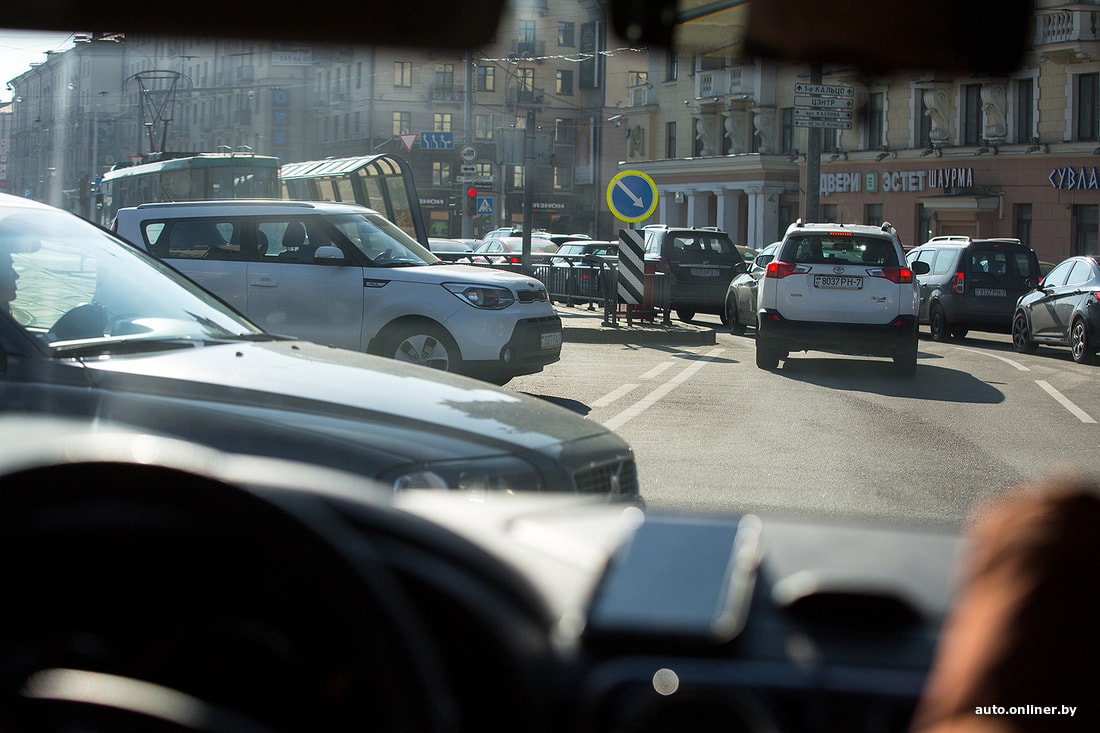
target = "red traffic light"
x: 471, y: 191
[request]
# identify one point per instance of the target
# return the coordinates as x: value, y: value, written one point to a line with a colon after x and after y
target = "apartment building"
x: 934, y: 154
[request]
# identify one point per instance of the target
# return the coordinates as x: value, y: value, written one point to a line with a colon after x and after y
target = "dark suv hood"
x: 319, y: 404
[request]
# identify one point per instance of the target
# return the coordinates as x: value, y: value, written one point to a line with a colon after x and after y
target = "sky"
x: 20, y: 49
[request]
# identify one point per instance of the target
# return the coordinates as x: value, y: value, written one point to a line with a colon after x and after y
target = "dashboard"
x: 156, y: 585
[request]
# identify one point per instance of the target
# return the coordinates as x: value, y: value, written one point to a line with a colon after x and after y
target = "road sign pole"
x: 467, y: 121
x: 813, y: 159
x: 528, y: 189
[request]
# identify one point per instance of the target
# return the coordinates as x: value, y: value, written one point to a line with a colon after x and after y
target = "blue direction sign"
x: 632, y: 196
x: 437, y: 140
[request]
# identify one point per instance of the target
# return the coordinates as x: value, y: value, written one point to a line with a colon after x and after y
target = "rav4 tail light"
x: 897, y: 275
x: 778, y: 270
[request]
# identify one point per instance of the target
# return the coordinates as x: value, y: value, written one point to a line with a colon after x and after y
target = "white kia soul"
x: 342, y: 274
x: 842, y: 288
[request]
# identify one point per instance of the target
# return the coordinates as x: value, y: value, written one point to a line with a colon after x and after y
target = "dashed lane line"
x: 1014, y: 364
x: 617, y: 421
x: 613, y: 396
x: 1065, y: 402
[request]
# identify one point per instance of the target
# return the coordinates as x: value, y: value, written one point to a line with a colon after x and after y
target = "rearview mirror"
x: 920, y: 268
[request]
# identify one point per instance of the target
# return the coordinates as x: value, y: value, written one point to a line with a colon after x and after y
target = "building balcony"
x: 722, y: 83
x: 1069, y: 34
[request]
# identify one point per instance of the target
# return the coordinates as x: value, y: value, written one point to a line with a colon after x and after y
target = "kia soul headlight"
x: 488, y: 297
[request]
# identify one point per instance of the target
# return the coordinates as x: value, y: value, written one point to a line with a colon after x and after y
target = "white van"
x: 342, y: 274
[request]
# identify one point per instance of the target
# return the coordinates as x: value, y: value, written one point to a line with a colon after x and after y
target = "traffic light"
x: 452, y: 203
x: 471, y: 192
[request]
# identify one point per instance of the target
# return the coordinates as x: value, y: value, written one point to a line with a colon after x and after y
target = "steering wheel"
x: 251, y: 609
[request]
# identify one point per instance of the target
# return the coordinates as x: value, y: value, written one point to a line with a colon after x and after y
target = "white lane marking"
x: 610, y: 397
x: 617, y: 421
x: 1014, y: 364
x: 1064, y: 401
x: 657, y: 370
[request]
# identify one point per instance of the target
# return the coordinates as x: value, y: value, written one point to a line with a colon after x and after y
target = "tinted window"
x: 945, y: 261
x: 695, y: 246
x: 1057, y: 277
x: 997, y: 259
x: 1081, y: 273
x: 194, y: 238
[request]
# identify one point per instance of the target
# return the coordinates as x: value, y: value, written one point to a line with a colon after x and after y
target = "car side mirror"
x: 328, y: 252
x: 921, y: 268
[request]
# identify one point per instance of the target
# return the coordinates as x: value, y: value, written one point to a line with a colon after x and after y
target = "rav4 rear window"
x: 830, y: 249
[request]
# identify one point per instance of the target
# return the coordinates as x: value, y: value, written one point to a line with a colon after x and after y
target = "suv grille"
x: 619, y: 478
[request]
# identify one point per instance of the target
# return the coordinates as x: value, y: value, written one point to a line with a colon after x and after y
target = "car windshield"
x: 381, y: 241
x: 74, y: 285
x: 742, y: 123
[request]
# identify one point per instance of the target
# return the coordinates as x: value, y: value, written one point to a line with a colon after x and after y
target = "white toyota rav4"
x: 342, y: 274
x: 842, y: 288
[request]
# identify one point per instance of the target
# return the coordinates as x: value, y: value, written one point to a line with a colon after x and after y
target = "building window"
x: 402, y: 73
x: 359, y: 75
x: 1023, y: 121
x: 563, y: 130
x: 1086, y: 229
x: 565, y: 82
x: 1023, y: 223
x: 829, y: 214
x: 872, y: 214
x: 924, y: 224
x: 672, y: 66
x: 670, y: 140
x: 486, y: 78
x: 483, y: 127
x: 517, y: 177
x: 563, y: 177
x: 828, y: 141
x: 565, y: 34
x: 525, y: 85
x: 971, y: 132
x: 526, y: 40
x: 924, y: 124
x: 876, y: 120
x: 441, y: 173
x: 445, y: 80
x: 1088, y: 98
x: 441, y: 122
x: 636, y: 78
x: 402, y: 123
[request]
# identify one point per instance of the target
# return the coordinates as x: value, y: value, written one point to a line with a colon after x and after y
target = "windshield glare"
x: 52, y: 263
x: 381, y: 241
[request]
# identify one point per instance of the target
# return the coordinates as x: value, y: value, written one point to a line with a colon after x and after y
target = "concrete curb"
x: 587, y: 327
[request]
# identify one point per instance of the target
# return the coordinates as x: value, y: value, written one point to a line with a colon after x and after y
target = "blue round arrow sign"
x: 632, y: 196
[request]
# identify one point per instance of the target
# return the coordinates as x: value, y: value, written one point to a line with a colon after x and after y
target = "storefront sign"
x: 897, y: 181
x: 1081, y: 178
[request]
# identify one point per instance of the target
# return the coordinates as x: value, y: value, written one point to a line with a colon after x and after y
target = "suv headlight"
x: 482, y: 296
x: 502, y: 473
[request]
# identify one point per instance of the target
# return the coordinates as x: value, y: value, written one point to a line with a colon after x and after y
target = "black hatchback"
x: 972, y: 284
x: 1064, y: 310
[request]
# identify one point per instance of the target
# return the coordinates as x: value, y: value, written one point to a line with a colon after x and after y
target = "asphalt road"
x: 829, y: 435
